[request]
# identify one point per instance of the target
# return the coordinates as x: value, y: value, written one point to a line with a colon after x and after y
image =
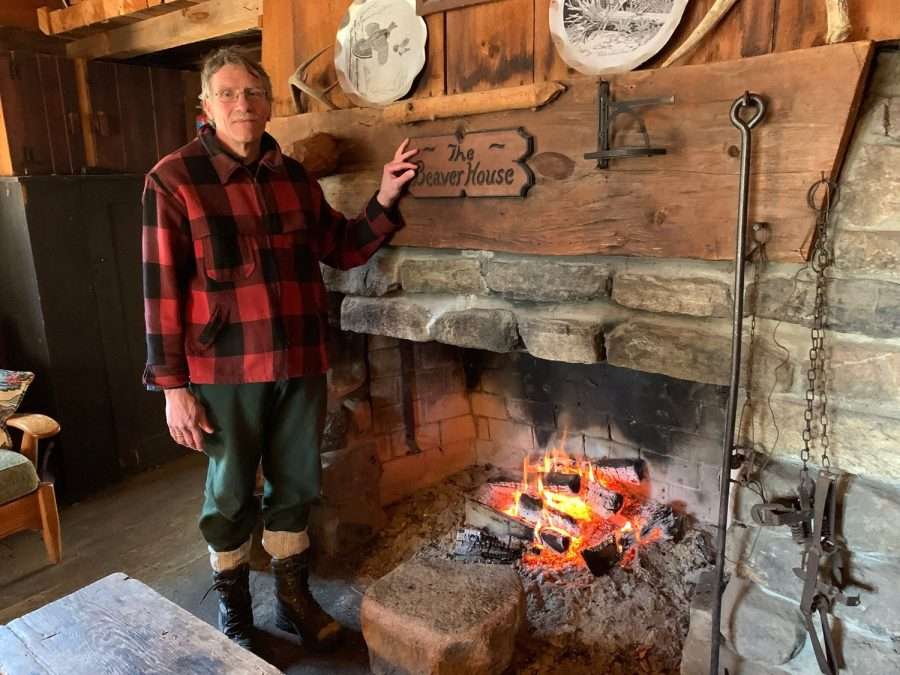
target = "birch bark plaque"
x: 481, y: 164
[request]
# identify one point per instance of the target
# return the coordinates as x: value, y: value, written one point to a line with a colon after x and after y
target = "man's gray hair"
x: 231, y: 56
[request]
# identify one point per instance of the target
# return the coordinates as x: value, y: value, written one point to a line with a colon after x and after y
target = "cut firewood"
x: 558, y: 541
x: 476, y: 545
x: 496, y: 523
x: 628, y: 471
x: 533, y: 510
x: 603, y: 501
x: 601, y: 558
x: 562, y: 482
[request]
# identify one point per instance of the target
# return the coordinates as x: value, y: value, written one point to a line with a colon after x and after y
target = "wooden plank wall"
x: 507, y: 42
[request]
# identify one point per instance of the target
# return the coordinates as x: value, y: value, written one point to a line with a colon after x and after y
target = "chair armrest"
x: 39, y: 426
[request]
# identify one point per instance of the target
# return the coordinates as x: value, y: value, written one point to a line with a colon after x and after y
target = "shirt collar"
x: 226, y: 163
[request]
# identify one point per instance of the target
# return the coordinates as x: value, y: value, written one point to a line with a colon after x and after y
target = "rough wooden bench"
x: 119, y: 626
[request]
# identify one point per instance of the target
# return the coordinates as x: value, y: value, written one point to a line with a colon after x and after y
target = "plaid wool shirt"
x: 233, y: 292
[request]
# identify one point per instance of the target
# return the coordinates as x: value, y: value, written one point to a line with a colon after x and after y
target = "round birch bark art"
x: 609, y: 36
x: 379, y: 50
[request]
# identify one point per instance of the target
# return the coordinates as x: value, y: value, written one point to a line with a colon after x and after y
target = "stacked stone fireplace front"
x: 476, y: 357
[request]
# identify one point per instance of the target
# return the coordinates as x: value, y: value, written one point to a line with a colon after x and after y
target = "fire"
x: 560, y: 485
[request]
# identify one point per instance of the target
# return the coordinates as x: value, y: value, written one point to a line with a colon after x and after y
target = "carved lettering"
x: 480, y: 164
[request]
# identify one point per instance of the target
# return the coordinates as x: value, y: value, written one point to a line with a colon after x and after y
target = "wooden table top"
x: 119, y: 626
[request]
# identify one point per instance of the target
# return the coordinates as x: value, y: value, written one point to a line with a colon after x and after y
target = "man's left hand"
x: 397, y: 173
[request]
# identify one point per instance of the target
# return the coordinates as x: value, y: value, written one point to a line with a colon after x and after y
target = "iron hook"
x: 747, y: 100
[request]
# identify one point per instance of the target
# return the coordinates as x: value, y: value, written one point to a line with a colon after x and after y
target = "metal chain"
x: 815, y: 374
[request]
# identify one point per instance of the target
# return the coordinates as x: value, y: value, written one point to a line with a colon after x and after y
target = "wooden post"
x: 87, y: 112
x: 281, y: 51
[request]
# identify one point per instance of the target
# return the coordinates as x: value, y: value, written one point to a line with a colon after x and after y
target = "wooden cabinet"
x: 71, y: 310
x: 40, y: 128
x: 137, y: 114
x: 59, y: 116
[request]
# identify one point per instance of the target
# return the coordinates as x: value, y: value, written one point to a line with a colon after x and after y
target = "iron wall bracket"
x: 609, y: 110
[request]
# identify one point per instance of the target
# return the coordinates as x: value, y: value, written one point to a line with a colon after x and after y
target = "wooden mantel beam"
x: 203, y: 21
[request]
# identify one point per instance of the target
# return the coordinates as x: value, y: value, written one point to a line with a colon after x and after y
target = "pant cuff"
x: 222, y: 561
x: 284, y: 544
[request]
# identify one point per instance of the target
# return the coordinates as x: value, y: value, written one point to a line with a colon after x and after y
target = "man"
x: 236, y: 320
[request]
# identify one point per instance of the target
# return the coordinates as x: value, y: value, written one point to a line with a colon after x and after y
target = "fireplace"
x: 487, y: 363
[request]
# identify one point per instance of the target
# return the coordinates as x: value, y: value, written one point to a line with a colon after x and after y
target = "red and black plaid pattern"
x: 232, y: 287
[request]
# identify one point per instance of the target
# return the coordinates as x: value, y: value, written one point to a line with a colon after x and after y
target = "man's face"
x: 238, y: 106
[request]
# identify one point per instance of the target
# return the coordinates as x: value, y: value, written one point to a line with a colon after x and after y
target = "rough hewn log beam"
x: 529, y: 96
x: 204, y: 21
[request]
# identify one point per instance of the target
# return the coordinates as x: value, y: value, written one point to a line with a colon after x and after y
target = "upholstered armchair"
x: 26, y: 502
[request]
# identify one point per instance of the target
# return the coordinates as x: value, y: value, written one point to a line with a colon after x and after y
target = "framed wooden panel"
x: 424, y: 7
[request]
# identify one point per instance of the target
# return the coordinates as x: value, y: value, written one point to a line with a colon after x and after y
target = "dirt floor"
x: 631, y: 621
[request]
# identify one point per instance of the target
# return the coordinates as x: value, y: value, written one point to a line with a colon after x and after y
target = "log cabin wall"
x: 665, y: 320
x: 505, y: 43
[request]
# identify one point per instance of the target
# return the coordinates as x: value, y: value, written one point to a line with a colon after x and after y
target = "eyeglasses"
x: 232, y: 95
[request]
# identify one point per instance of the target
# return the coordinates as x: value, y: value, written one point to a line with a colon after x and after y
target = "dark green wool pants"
x: 278, y: 422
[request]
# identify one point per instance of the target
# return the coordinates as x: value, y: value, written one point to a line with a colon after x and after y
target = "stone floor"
x: 146, y: 528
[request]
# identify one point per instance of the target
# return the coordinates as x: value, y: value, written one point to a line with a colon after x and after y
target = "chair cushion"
x: 13, y: 385
x: 17, y: 476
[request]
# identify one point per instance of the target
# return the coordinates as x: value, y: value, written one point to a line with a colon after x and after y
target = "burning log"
x: 629, y: 471
x: 530, y: 508
x: 603, y: 501
x: 534, y: 511
x: 496, y: 523
x: 658, y: 517
x: 558, y: 541
x: 479, y: 546
x: 601, y: 558
x: 558, y: 481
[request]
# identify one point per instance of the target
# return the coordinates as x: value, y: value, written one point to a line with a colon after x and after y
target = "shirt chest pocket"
x: 229, y: 257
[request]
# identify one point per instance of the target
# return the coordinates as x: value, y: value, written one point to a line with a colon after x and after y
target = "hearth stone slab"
x: 397, y: 317
x: 442, y: 275
x: 700, y: 350
x: 491, y: 329
x: 379, y: 276
x: 436, y: 617
x: 673, y: 294
x: 536, y: 278
x: 560, y: 339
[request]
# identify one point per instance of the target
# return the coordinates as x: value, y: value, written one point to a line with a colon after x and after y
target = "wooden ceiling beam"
x: 203, y: 21
x: 23, y: 13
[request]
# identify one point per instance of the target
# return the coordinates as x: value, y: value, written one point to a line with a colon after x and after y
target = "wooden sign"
x: 481, y: 164
x: 679, y: 205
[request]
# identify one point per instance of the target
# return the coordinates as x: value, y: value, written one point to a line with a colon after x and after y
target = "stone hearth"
x: 607, y: 356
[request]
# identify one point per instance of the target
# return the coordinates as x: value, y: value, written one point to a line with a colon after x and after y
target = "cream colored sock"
x: 284, y: 544
x: 222, y: 561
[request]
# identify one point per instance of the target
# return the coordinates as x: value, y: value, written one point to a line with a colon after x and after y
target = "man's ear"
x: 206, y: 111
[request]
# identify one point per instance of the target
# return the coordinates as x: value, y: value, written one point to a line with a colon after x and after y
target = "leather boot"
x: 235, y: 606
x: 296, y: 610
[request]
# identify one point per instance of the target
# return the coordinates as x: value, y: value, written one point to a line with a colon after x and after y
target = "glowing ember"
x: 557, y: 493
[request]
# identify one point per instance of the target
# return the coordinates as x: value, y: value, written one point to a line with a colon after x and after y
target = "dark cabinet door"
x: 24, y: 116
x: 73, y: 263
x: 60, y: 95
x: 112, y: 224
